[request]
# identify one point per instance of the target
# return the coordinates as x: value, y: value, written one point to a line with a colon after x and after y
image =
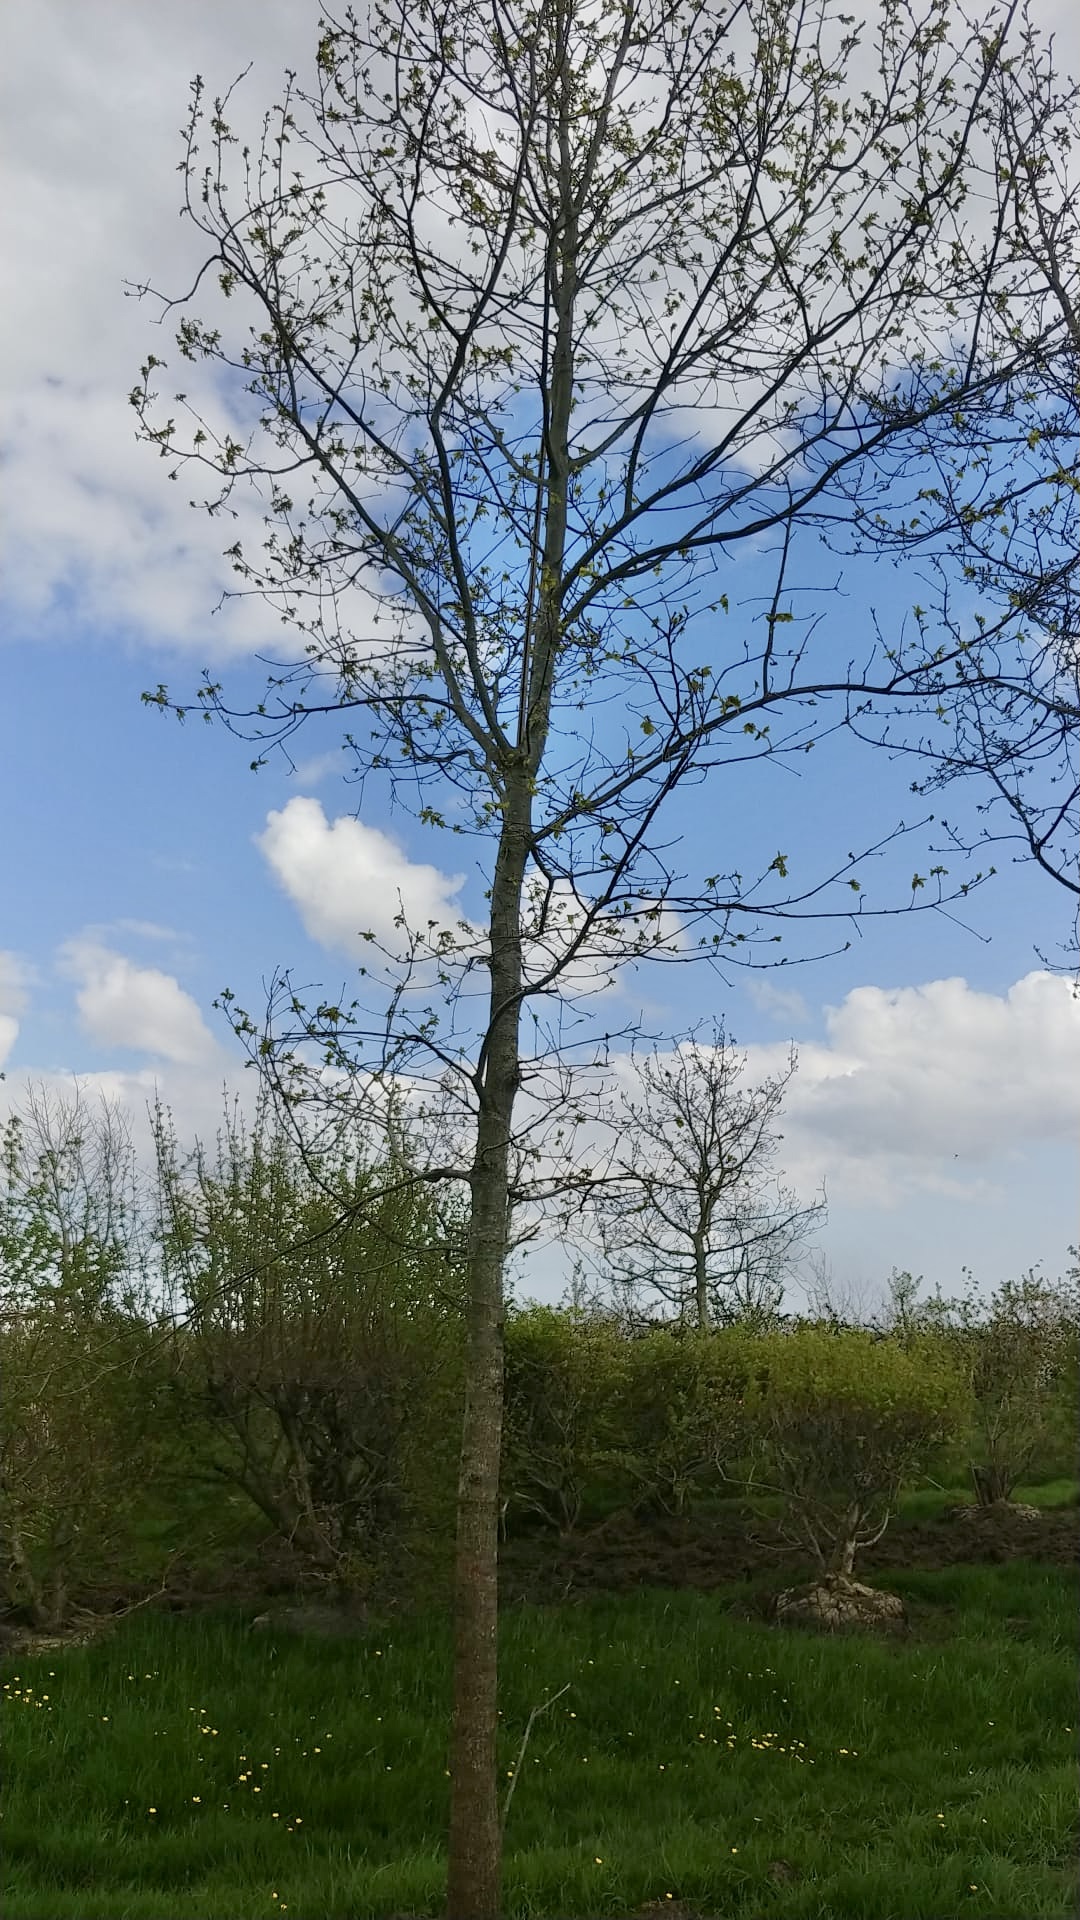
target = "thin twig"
x: 86, y: 1615
x: 542, y: 1708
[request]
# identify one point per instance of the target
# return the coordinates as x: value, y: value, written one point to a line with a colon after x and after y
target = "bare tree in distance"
x: 700, y: 1218
x: 70, y: 1212
x: 526, y: 320
x: 74, y: 1290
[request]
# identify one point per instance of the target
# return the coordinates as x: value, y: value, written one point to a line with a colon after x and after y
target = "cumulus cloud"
x: 785, y: 1005
x: 925, y: 1088
x: 121, y: 1004
x: 14, y: 981
x: 94, y: 100
x: 91, y: 202
x: 15, y: 976
x: 347, y: 879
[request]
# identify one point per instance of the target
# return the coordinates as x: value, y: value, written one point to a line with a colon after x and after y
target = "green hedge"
x: 841, y: 1421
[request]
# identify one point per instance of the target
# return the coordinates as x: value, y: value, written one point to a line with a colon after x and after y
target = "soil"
x: 704, y: 1553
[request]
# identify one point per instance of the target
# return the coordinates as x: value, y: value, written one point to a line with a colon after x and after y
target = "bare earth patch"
x: 704, y: 1553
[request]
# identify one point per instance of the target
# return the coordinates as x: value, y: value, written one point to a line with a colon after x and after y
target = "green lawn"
x: 185, y: 1767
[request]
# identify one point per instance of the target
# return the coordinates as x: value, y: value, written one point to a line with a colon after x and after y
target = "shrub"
x: 682, y: 1419
x: 321, y: 1334
x: 74, y: 1449
x: 560, y: 1411
x: 76, y: 1412
x: 1019, y: 1351
x: 1022, y: 1365
x: 841, y: 1420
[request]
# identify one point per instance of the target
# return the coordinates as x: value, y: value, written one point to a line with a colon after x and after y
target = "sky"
x: 144, y: 867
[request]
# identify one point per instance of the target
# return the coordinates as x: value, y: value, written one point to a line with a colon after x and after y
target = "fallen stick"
x: 542, y: 1708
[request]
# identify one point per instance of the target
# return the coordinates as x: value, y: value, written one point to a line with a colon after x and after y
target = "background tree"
x: 1018, y: 1351
x: 76, y: 1413
x: 700, y: 1218
x: 526, y: 320
x: 318, y: 1306
x: 71, y: 1219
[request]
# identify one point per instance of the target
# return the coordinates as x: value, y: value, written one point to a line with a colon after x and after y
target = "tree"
x: 73, y: 1305
x: 699, y: 1218
x: 318, y: 1320
x: 1017, y: 1350
x: 528, y: 318
x: 70, y: 1217
x: 843, y: 1420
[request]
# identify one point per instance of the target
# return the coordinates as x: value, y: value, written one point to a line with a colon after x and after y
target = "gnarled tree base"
x: 839, y: 1604
x: 994, y: 1510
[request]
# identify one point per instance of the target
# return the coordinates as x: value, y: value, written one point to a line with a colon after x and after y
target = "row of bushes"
x: 343, y: 1436
x: 833, y: 1420
x: 313, y: 1381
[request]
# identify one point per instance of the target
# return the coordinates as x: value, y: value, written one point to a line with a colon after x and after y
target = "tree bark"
x: 992, y: 1484
x: 701, y: 1284
x: 475, y: 1842
x: 842, y: 1557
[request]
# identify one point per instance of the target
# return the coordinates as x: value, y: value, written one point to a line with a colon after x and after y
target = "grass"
x: 919, y: 1503
x: 186, y: 1767
x: 925, y: 1503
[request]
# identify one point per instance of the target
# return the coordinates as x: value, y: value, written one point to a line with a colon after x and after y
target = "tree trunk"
x: 475, y: 1843
x: 701, y: 1284
x: 474, y: 1879
x: 992, y: 1484
x: 842, y: 1557
x: 23, y: 1568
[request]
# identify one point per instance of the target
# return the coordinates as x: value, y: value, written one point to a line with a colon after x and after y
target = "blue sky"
x: 144, y: 867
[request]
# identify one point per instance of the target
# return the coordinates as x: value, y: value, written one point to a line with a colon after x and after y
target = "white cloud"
x: 123, y: 1005
x: 928, y: 1089
x: 346, y: 879
x: 783, y: 1004
x: 15, y: 978
x: 95, y: 99
x: 310, y: 773
x: 149, y: 930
